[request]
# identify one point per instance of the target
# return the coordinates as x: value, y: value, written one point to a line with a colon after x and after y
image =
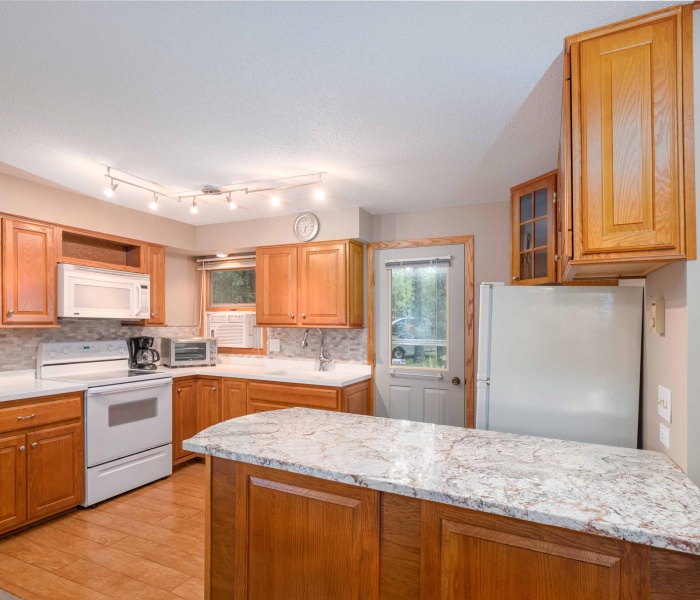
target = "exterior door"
x: 55, y: 470
x: 28, y: 273
x: 322, y: 290
x: 185, y: 423
x: 419, y: 334
x: 13, y: 474
x: 276, y: 286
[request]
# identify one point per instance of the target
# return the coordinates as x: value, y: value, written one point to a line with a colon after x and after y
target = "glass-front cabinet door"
x: 533, y: 231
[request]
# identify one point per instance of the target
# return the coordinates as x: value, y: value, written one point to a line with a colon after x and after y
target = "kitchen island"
x: 314, y: 504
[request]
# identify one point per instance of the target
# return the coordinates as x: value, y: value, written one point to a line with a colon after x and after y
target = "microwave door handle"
x: 137, y: 289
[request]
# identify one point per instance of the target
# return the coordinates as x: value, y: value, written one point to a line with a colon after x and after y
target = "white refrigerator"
x: 561, y: 362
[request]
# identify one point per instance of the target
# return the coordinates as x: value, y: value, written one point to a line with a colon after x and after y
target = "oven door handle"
x: 128, y: 387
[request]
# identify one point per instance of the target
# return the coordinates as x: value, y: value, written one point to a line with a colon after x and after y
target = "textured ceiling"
x: 407, y: 105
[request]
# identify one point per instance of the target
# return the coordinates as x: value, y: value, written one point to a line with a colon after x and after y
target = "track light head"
x: 193, y: 209
x: 109, y: 190
x: 154, y: 203
x: 231, y: 204
x: 319, y: 193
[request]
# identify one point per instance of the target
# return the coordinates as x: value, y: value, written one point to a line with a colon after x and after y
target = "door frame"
x: 468, y: 242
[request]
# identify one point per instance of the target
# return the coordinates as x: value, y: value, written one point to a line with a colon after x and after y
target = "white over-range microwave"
x: 87, y: 292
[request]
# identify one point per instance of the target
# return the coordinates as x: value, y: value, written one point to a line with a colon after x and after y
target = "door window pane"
x: 526, y: 265
x: 419, y: 317
x: 540, y: 263
x: 541, y: 203
x: 525, y: 208
x: 526, y: 237
x: 540, y: 233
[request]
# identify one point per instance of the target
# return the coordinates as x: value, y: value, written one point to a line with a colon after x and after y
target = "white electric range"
x: 128, y: 414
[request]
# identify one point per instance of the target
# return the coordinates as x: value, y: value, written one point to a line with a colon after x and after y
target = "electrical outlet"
x: 665, y: 435
x: 273, y: 345
x: 664, y: 403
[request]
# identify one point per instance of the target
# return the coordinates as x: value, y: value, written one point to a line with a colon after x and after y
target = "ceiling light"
x: 221, y: 254
x: 193, y: 209
x: 275, y: 201
x: 154, y: 203
x: 231, y: 204
x: 109, y: 191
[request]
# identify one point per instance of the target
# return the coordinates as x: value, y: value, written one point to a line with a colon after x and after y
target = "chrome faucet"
x: 325, y: 357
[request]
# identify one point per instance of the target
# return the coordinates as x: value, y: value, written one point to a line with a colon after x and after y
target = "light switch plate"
x: 664, y: 403
x: 665, y: 435
x: 273, y: 345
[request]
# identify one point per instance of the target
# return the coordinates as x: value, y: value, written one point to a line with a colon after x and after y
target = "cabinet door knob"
x: 303, y: 316
x: 515, y: 277
x: 213, y: 389
x: 291, y: 315
x: 22, y: 448
x: 35, y: 444
x: 556, y: 257
x: 153, y: 314
x: 179, y: 390
x: 10, y: 313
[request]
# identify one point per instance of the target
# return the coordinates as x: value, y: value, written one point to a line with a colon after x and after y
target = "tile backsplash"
x: 18, y: 346
x: 344, y: 345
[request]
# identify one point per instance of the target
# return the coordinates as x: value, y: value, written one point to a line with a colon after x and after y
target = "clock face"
x: 306, y: 227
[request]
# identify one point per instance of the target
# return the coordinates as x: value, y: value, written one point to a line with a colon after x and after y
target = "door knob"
x: 456, y: 381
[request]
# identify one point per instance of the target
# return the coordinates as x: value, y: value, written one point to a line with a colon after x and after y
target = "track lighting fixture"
x: 213, y: 191
x: 319, y: 193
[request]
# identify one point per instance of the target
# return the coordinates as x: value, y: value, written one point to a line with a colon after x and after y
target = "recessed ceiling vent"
x: 211, y: 190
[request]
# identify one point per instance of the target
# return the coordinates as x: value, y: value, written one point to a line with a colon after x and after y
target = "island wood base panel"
x: 278, y: 535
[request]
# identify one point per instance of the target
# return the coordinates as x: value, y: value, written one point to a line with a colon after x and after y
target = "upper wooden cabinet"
x: 276, y: 285
x: 156, y: 269
x: 533, y: 231
x: 28, y: 273
x: 629, y: 169
x: 310, y: 285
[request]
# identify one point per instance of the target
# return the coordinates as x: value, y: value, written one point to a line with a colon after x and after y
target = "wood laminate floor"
x: 144, y: 545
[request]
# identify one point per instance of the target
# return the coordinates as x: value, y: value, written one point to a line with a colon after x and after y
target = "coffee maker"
x: 141, y: 354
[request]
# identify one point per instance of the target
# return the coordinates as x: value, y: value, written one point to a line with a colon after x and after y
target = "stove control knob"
x: 121, y: 350
x: 52, y: 354
x: 110, y: 348
x: 66, y: 349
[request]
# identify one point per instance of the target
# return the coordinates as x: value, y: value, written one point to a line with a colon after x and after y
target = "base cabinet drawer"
x: 288, y: 395
x: 35, y: 414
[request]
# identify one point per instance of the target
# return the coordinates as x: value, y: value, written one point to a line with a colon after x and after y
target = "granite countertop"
x: 635, y: 495
x: 22, y: 385
x: 281, y: 371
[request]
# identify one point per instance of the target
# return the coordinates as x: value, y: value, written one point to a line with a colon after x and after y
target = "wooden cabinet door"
x: 322, y: 284
x: 533, y: 231
x: 208, y: 403
x: 465, y: 555
x: 276, y: 285
x: 185, y: 420
x: 13, y: 489
x: 298, y: 537
x: 55, y: 470
x: 233, y: 399
x: 156, y: 269
x: 28, y: 273
x: 627, y: 124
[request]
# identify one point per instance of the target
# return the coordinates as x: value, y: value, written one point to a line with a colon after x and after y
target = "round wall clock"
x: 306, y: 227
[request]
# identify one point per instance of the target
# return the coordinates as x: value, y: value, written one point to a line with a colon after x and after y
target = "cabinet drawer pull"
x: 23, y: 418
x: 22, y: 448
x: 35, y: 444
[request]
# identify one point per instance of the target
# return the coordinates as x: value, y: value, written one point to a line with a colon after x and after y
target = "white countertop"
x: 635, y: 495
x: 21, y: 385
x: 281, y: 371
